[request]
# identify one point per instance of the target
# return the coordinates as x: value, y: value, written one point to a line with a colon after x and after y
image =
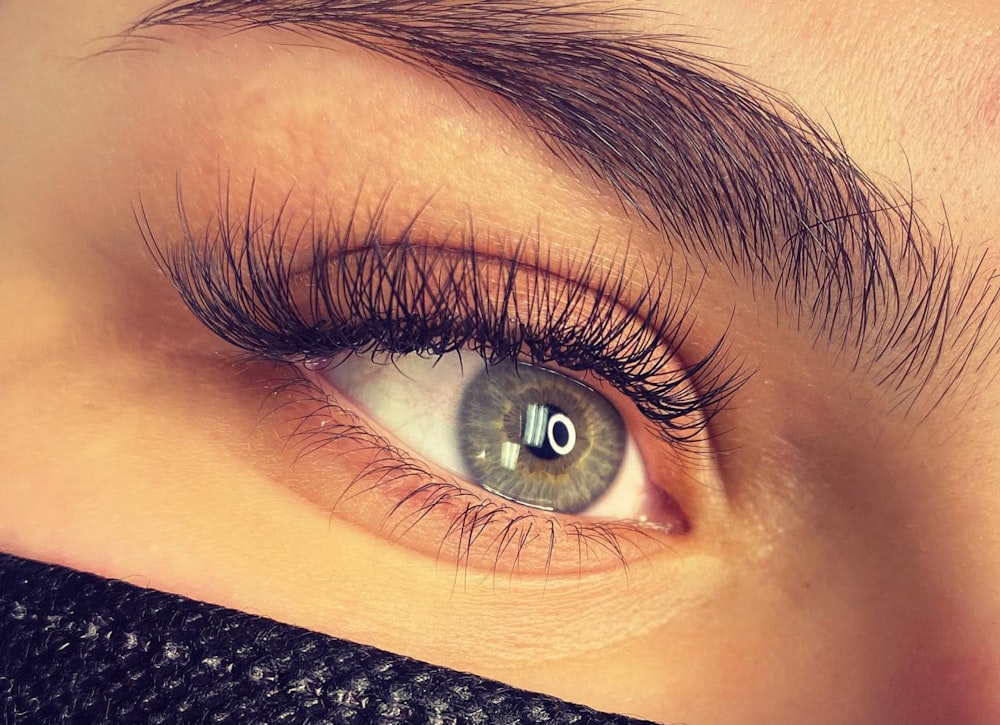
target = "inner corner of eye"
x: 526, y: 433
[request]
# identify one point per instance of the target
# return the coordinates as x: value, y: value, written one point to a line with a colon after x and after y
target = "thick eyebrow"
x: 724, y: 169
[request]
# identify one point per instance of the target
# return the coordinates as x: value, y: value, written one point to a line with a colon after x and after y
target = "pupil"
x: 560, y: 434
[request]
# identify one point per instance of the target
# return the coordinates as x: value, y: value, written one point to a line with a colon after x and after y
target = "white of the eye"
x: 414, y: 399
x: 567, y: 447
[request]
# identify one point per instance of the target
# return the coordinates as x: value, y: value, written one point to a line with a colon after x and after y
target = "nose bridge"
x: 950, y: 669
x: 953, y: 673
x: 950, y: 538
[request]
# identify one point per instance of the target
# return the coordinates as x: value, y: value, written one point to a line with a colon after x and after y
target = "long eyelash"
x: 310, y: 293
x: 303, y: 295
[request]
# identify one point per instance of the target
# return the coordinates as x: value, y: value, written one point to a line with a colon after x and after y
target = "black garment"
x: 78, y: 648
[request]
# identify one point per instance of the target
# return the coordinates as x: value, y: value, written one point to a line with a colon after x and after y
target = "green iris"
x: 539, y: 438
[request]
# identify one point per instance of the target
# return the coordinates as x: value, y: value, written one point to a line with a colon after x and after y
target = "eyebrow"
x: 722, y: 168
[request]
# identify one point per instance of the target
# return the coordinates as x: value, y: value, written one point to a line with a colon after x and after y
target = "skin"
x: 844, y: 565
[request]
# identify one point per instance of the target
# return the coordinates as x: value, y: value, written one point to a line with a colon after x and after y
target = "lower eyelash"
x: 476, y: 530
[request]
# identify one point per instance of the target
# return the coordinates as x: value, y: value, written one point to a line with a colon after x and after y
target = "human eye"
x: 523, y: 432
x: 478, y: 401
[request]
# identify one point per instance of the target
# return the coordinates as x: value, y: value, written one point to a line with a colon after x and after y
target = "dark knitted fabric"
x: 78, y: 648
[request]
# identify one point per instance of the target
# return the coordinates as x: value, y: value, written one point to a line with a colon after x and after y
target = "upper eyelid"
x: 248, y: 285
x: 724, y: 169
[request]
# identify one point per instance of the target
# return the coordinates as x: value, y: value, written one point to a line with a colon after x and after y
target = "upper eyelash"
x: 360, y: 292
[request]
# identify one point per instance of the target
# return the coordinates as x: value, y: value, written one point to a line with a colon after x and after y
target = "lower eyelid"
x: 344, y: 467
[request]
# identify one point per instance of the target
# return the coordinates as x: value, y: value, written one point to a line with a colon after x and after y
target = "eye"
x: 529, y: 434
x: 590, y: 449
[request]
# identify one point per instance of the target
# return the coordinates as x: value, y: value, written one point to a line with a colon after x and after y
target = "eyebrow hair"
x: 722, y: 168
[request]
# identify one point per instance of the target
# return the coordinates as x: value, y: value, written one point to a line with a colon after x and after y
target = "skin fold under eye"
x: 526, y: 433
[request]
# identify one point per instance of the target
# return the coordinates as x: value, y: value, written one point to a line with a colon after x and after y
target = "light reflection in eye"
x: 526, y: 433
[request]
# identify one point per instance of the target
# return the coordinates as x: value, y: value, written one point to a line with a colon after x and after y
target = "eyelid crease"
x: 307, y: 292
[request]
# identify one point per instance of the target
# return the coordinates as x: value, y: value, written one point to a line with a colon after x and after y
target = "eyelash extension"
x: 304, y: 295
x: 310, y: 293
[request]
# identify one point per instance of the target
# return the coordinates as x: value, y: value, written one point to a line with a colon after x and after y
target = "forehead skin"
x: 852, y: 537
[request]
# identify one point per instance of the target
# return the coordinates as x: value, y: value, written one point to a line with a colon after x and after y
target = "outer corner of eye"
x: 514, y: 461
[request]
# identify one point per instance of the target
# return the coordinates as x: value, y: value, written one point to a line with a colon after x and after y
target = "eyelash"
x: 359, y: 292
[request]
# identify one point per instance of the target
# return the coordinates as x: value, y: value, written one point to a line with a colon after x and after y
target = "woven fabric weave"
x: 75, y: 647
